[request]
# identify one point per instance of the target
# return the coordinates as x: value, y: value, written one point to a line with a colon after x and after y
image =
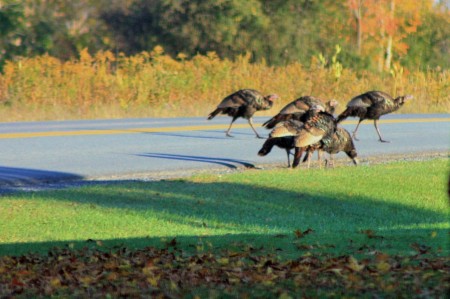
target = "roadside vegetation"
x: 361, y: 231
x: 152, y: 84
x: 86, y: 59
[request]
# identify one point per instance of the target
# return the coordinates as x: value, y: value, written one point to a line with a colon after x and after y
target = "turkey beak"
x: 408, y: 98
x: 273, y: 97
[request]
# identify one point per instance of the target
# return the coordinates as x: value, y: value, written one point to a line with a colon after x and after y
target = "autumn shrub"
x: 152, y: 84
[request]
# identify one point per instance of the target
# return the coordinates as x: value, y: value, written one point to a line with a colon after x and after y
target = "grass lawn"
x: 401, y: 203
x: 399, y: 208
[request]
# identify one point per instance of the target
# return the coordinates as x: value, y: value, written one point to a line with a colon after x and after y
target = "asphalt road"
x: 42, y: 152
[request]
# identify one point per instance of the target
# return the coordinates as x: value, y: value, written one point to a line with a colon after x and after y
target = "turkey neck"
x: 388, y: 107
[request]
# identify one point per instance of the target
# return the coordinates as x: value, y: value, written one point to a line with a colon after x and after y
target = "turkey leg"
x: 375, y: 122
x: 356, y: 130
x: 250, y: 122
x: 227, y: 133
x: 297, y: 155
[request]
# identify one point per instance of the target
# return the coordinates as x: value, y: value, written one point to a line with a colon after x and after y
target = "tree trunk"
x: 387, y: 62
x: 380, y: 50
x: 357, y: 14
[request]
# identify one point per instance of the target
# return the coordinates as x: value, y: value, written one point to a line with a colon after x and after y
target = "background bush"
x: 153, y: 84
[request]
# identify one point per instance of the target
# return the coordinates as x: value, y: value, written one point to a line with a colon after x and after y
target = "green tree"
x: 370, y: 33
x: 59, y: 28
x: 302, y: 29
x: 62, y: 28
x: 430, y: 46
x: 190, y: 26
x: 11, y: 30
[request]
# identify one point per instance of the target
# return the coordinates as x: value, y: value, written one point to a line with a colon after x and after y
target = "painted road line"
x: 186, y: 128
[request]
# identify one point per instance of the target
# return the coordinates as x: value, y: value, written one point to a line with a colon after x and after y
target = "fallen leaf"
x: 383, y: 266
x: 354, y: 265
x: 371, y: 234
x: 299, y: 234
x: 420, y: 248
x: 172, y: 243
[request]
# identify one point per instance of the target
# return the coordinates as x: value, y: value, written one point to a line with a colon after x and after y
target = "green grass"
x: 396, y: 204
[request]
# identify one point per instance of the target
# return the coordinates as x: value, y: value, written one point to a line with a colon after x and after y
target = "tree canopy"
x: 372, y: 34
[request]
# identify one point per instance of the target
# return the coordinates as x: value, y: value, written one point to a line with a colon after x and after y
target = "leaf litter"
x: 171, y: 272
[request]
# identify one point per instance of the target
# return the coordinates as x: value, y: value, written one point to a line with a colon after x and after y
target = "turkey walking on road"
x: 297, y: 108
x: 243, y: 103
x: 372, y: 105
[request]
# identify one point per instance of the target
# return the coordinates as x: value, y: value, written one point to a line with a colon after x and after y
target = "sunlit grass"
x: 152, y: 84
x: 402, y: 203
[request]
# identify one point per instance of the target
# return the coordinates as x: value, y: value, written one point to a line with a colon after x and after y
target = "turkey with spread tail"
x: 297, y: 108
x: 372, y: 105
x: 243, y: 103
x: 316, y: 125
x: 339, y: 141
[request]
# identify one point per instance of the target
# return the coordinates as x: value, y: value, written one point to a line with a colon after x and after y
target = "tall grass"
x: 152, y: 84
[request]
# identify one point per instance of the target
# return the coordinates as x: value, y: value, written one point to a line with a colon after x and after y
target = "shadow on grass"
x: 246, y: 214
x: 287, y: 246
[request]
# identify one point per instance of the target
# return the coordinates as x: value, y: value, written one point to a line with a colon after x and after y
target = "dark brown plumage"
x: 372, y: 105
x: 317, y: 125
x: 286, y: 143
x: 243, y: 103
x: 297, y: 108
x: 339, y: 141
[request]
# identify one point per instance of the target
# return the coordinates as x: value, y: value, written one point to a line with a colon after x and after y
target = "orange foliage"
x: 380, y: 19
x: 152, y: 84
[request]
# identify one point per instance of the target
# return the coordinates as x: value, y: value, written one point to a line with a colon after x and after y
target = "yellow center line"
x: 185, y: 128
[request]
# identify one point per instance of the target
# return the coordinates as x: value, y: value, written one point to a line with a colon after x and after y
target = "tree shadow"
x: 15, y: 177
x: 223, y: 201
x: 230, y: 163
x: 283, y: 245
x: 235, y: 212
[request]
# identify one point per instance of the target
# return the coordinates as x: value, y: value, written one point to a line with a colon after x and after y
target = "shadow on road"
x: 177, y: 134
x: 230, y: 163
x: 185, y: 135
x: 15, y: 177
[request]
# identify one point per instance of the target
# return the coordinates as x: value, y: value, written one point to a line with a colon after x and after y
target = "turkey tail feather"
x: 214, y: 113
x: 270, y: 124
x: 343, y: 116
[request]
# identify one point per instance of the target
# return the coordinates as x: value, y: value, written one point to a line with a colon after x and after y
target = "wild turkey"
x: 287, y: 143
x: 339, y: 141
x: 243, y: 103
x: 317, y: 125
x: 372, y: 105
x: 297, y: 108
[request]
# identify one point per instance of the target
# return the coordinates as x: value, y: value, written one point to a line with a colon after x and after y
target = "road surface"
x: 42, y: 152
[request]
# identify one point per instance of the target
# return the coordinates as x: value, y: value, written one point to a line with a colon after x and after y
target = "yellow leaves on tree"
x: 381, y: 25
